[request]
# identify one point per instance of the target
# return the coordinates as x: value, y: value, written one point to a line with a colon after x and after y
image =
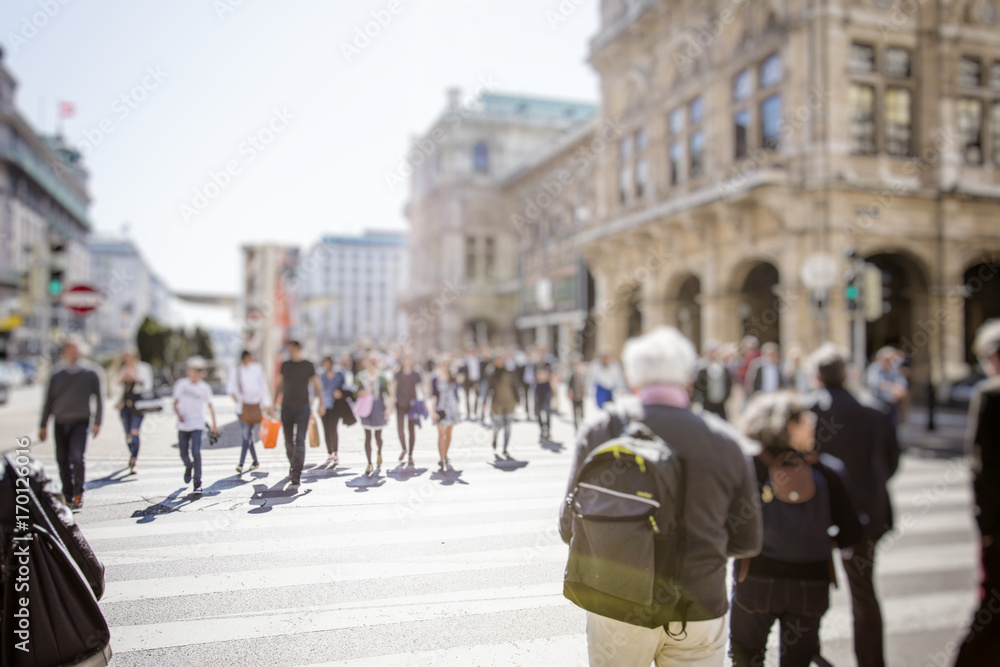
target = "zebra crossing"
x: 416, y: 567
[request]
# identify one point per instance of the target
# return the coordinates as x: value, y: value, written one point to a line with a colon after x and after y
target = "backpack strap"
x: 685, y: 603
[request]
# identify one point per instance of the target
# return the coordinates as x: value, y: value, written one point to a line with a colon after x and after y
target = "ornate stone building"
x: 756, y: 134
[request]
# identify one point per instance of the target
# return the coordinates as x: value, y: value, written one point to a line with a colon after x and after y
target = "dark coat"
x: 863, y: 438
x: 984, y: 442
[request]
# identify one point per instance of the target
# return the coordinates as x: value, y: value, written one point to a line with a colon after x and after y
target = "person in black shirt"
x: 982, y: 646
x: 802, y: 495
x: 405, y: 390
x: 543, y: 394
x: 291, y: 393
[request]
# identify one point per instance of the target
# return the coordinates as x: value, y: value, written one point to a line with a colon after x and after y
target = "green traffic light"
x: 852, y: 292
x: 55, y: 287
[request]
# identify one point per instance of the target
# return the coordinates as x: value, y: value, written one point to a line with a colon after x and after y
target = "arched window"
x: 481, y: 157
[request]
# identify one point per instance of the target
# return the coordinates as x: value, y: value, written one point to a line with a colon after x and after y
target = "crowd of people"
x: 762, y: 484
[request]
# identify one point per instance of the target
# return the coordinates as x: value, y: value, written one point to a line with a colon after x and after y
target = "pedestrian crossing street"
x: 415, y: 567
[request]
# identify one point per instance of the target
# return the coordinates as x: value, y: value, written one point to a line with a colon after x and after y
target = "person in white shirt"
x: 191, y: 395
x: 605, y: 379
x: 135, y: 377
x: 248, y: 387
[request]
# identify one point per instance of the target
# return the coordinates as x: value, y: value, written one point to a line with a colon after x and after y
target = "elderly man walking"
x: 721, y: 511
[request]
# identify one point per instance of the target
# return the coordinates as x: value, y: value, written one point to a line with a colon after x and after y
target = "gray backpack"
x: 626, y: 551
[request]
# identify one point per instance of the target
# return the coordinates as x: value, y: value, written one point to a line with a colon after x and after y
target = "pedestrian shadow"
x: 551, y: 445
x: 117, y: 477
x: 230, y: 436
x: 265, y: 499
x: 321, y: 471
x: 404, y: 473
x: 448, y: 477
x: 362, y: 483
x: 172, y: 503
x: 507, y: 465
x: 231, y: 482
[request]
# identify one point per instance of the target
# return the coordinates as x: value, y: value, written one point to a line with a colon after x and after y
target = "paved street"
x: 412, y: 567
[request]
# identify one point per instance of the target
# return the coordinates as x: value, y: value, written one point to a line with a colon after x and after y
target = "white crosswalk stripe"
x: 457, y: 569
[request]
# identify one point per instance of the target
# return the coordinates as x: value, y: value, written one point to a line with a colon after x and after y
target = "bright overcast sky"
x: 222, y: 79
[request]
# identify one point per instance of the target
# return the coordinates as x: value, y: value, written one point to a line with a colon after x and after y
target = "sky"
x: 208, y: 124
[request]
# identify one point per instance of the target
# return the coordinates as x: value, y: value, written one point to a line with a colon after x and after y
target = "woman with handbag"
x: 136, y: 378
x: 248, y: 387
x: 372, y: 387
x: 335, y: 393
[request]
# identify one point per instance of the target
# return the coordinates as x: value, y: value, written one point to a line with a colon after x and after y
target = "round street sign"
x: 819, y: 272
x: 81, y: 299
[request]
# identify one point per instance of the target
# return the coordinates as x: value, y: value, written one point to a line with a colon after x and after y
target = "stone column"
x: 610, y: 308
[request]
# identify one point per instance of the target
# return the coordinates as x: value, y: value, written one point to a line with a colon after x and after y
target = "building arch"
x: 758, y: 305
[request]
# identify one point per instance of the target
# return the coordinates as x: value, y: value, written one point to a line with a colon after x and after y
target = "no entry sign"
x: 81, y: 299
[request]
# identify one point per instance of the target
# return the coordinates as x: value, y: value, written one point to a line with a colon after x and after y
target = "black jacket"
x: 865, y: 440
x: 984, y: 445
x: 722, y: 508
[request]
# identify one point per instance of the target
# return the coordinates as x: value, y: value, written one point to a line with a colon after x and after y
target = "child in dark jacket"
x: 803, y: 494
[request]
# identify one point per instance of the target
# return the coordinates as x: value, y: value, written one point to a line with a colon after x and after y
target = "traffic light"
x: 57, y: 266
x: 874, y: 281
x: 852, y: 292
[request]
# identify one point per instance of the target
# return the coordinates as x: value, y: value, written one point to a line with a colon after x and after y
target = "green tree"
x: 151, y: 340
x: 203, y: 343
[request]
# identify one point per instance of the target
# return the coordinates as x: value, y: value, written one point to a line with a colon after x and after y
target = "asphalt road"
x: 412, y: 567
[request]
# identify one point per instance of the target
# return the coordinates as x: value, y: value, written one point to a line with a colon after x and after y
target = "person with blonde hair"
x: 135, y: 377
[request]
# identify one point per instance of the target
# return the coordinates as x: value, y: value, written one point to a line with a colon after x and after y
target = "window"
x: 770, y: 71
x: 770, y: 122
x: 898, y: 123
x: 862, y: 101
x: 641, y: 177
x: 696, y: 151
x: 481, y: 158
x: 897, y: 63
x: 862, y: 58
x: 624, y: 183
x: 490, y: 257
x: 741, y: 126
x: 697, y: 110
x: 970, y: 72
x: 470, y: 257
x: 675, y: 163
x: 676, y: 121
x: 640, y: 140
x: 995, y: 132
x: 970, y: 127
x: 742, y: 86
x: 625, y: 148
x: 995, y: 76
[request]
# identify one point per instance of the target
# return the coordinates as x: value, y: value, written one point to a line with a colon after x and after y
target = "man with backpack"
x: 659, y: 499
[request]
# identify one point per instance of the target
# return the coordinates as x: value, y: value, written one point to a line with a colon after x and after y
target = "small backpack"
x: 626, y: 551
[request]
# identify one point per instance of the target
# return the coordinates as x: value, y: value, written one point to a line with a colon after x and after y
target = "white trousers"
x: 612, y: 643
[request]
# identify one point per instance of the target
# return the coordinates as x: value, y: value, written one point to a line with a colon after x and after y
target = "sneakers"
x: 336, y: 457
x: 254, y: 465
x: 296, y: 481
x: 187, y: 474
x: 332, y: 458
x: 76, y: 503
x: 132, y: 467
x: 196, y: 491
x: 378, y: 461
x: 239, y: 470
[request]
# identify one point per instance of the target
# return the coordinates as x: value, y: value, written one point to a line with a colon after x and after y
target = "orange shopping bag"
x: 269, y: 432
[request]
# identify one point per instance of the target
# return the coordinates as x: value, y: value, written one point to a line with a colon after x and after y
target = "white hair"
x: 663, y: 356
x: 987, y: 341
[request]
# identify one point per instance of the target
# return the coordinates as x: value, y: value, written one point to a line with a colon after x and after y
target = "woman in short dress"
x: 371, y: 380
x: 445, y: 411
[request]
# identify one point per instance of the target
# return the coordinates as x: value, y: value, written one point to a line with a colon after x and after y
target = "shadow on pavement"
x: 117, y: 477
x: 363, y: 482
x: 404, y: 473
x: 265, y: 499
x: 449, y: 477
x: 168, y: 505
x: 551, y: 445
x: 507, y: 465
x: 323, y: 471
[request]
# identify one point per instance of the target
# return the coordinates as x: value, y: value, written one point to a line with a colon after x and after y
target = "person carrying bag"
x: 249, y: 390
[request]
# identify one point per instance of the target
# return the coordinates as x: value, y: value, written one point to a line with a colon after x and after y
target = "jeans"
x: 982, y: 645
x: 131, y: 421
x: 797, y: 604
x: 294, y: 421
x: 246, y: 430
x: 401, y: 417
x: 191, y: 440
x: 577, y: 414
x: 868, y: 636
x: 71, y: 442
x: 502, y: 421
x: 543, y: 405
